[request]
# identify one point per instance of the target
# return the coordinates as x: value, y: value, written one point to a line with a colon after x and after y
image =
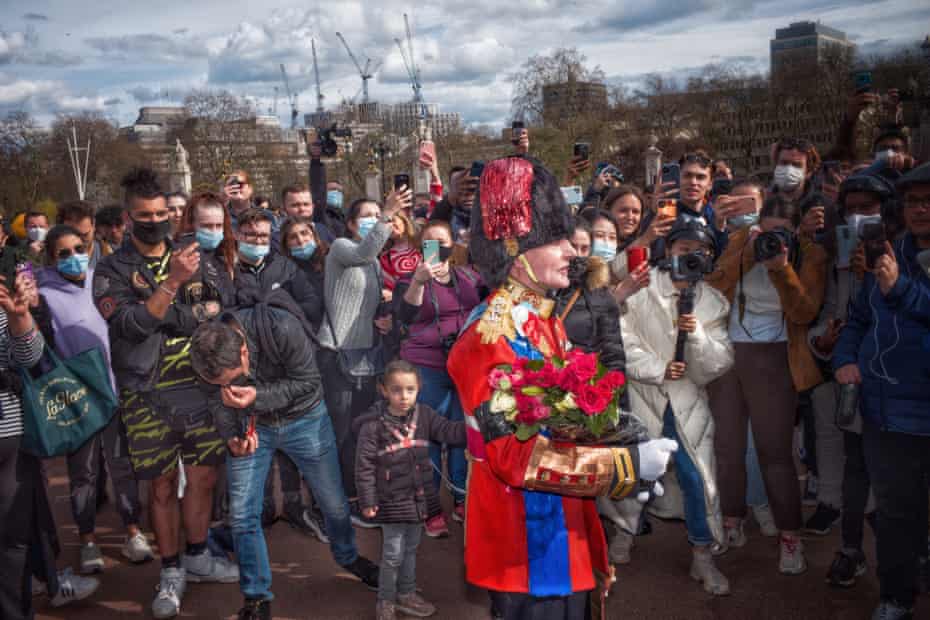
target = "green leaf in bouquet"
x: 533, y: 390
x: 525, y: 432
x: 536, y: 365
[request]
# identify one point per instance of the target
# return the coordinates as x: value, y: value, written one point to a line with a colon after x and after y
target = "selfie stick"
x: 685, y: 306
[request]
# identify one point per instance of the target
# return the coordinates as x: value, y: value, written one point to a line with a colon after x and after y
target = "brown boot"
x: 415, y: 605
x: 384, y: 610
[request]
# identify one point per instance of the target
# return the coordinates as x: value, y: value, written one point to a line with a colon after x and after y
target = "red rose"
x: 614, y: 379
x: 568, y: 380
x: 592, y: 400
x: 583, y: 365
x: 531, y: 409
x: 547, y: 377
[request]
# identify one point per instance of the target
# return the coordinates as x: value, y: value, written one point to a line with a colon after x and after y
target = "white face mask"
x: 883, y: 155
x: 788, y: 177
x: 37, y: 233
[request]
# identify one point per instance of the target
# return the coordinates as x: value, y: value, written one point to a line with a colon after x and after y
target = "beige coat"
x: 650, y: 331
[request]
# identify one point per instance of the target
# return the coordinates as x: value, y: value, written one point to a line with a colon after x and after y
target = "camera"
x: 690, y: 267
x: 611, y: 171
x: 769, y: 244
x: 327, y: 137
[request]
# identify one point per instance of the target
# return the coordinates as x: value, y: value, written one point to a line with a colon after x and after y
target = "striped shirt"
x: 25, y: 350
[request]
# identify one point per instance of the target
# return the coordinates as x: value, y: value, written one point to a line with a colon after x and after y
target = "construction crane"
x: 410, y: 63
x: 366, y: 74
x: 291, y: 97
x: 316, y: 76
x: 274, y: 106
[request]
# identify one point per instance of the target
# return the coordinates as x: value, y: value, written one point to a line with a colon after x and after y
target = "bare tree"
x: 22, y: 161
x: 563, y: 66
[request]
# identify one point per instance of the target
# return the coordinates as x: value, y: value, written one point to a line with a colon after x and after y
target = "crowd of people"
x: 774, y: 332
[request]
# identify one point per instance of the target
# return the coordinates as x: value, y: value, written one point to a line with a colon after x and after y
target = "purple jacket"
x: 76, y: 322
x: 424, y: 332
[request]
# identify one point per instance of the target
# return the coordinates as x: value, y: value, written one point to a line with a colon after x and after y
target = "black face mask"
x: 577, y: 270
x: 151, y: 233
x: 444, y: 253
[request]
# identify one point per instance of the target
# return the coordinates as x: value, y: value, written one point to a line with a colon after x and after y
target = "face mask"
x: 209, y: 240
x: 788, y: 177
x: 365, y: 224
x: 305, y: 251
x: 74, y: 265
x: 151, y: 233
x: 604, y: 250
x: 253, y: 253
x: 334, y: 198
x: 743, y: 221
x: 37, y: 233
x: 444, y: 253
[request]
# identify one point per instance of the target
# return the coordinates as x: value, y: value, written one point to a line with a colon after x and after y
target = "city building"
x: 804, y: 44
x: 572, y: 99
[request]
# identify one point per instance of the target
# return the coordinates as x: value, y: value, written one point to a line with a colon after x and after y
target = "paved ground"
x: 308, y: 584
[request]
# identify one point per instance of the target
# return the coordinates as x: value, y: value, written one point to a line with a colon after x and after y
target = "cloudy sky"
x: 115, y: 56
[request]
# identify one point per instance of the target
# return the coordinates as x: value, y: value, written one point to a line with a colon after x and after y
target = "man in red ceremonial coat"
x: 533, y: 537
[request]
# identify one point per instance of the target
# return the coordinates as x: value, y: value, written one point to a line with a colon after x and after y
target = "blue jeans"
x: 398, y: 559
x: 310, y: 442
x: 692, y: 487
x: 439, y: 392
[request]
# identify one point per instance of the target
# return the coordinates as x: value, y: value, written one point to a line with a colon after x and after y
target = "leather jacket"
x: 287, y: 388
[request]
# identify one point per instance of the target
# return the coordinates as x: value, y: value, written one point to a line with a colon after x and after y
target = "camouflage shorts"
x: 158, y: 436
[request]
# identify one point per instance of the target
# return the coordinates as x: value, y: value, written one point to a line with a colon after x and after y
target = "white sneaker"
x: 73, y: 587
x: 765, y: 519
x: 167, y: 603
x: 735, y: 536
x: 620, y: 546
x: 791, y: 557
x: 38, y: 587
x: 136, y: 549
x: 705, y: 572
x: 206, y: 567
x: 91, y: 559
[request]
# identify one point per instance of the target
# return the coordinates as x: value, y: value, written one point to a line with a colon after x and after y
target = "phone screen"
x: 846, y: 241
x: 431, y: 251
x: 582, y: 151
x: 402, y: 180
x: 477, y: 168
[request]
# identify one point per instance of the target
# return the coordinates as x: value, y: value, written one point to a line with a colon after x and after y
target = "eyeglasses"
x: 65, y: 253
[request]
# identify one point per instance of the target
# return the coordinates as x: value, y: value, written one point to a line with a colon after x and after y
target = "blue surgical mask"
x: 603, y: 249
x: 209, y: 240
x: 334, y: 198
x: 253, y: 253
x: 305, y: 251
x: 74, y: 265
x: 365, y: 224
x: 743, y: 221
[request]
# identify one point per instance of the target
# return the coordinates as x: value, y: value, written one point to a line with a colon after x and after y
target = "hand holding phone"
x: 427, y: 158
x: 402, y: 180
x: 431, y: 251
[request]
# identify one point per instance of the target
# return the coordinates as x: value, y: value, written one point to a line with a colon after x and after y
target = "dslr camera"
x: 327, y: 137
x: 690, y: 267
x: 769, y: 244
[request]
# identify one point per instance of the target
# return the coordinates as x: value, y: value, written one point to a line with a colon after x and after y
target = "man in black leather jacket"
x: 267, y: 396
x: 153, y: 294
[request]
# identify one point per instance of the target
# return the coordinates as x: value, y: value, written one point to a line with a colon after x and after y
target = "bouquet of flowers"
x: 576, y: 399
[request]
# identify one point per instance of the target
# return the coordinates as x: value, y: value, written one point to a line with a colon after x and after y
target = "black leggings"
x: 26, y: 548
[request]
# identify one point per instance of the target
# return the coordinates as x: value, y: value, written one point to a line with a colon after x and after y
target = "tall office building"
x: 804, y: 44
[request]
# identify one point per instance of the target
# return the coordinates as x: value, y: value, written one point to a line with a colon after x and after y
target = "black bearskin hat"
x: 519, y: 206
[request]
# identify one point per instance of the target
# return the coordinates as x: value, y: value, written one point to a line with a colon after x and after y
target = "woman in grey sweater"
x: 352, y: 296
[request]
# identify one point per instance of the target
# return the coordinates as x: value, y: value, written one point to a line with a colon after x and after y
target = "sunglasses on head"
x: 695, y: 158
x: 68, y: 252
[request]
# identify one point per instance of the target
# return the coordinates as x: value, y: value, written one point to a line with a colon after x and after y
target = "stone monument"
x: 179, y: 175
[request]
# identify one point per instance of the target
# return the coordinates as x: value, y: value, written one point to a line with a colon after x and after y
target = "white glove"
x: 657, y: 491
x: 654, y: 456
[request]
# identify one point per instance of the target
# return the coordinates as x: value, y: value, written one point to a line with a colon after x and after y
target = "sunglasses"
x: 65, y: 253
x: 694, y: 158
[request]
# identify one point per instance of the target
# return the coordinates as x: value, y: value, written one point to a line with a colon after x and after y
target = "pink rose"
x: 530, y: 409
x: 592, y: 400
x: 497, y: 376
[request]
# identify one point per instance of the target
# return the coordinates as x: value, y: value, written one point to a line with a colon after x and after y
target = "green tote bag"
x: 67, y: 405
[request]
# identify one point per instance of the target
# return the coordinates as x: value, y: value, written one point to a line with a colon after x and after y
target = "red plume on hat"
x: 519, y: 207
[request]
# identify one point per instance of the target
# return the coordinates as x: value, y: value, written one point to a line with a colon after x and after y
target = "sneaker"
x: 414, y: 605
x: 735, y: 536
x: 847, y: 565
x: 91, y: 559
x: 810, y: 491
x: 360, y: 520
x: 765, y: 519
x: 38, y: 587
x: 620, y: 546
x: 366, y: 570
x: 255, y: 609
x: 458, y: 513
x: 306, y: 522
x: 384, y: 610
x: 891, y: 610
x: 791, y: 558
x: 436, y: 527
x: 171, y: 586
x: 136, y: 549
x: 822, y: 521
x: 73, y: 587
x: 206, y: 567
x: 706, y: 573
